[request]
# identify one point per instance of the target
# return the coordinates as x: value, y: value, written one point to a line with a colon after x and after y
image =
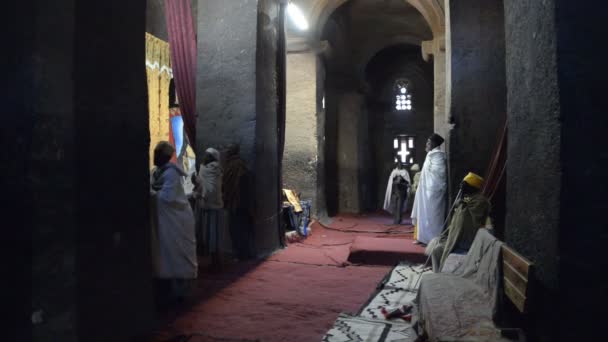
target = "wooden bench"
x: 517, y: 272
x: 517, y: 275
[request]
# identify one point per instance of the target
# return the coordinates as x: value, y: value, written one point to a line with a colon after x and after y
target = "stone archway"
x: 431, y: 10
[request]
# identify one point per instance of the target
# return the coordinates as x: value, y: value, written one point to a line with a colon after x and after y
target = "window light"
x: 297, y: 16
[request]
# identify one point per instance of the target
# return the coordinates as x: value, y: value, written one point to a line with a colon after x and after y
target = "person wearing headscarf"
x: 470, y: 213
x: 174, y: 241
x: 428, y: 213
x: 395, y: 200
x: 209, y: 205
x: 236, y: 188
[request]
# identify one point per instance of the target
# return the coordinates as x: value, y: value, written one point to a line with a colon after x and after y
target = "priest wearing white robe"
x: 428, y: 213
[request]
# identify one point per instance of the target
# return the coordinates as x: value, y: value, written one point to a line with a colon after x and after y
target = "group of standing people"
x: 183, y: 229
x: 469, y: 212
x: 428, y: 189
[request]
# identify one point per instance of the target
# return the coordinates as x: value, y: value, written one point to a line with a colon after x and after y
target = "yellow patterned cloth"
x: 159, y: 75
x: 293, y: 199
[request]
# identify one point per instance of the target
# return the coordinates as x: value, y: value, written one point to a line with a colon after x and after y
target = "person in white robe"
x: 428, y: 213
x: 173, y: 223
x: 395, y: 199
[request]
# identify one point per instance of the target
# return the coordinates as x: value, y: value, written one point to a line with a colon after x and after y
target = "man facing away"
x: 470, y: 213
x: 395, y: 200
x: 208, y: 193
x: 238, y: 201
x: 175, y: 242
x: 428, y: 213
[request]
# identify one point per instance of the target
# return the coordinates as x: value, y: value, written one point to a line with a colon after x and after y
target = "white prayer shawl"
x: 176, y: 236
x: 210, y: 191
x: 389, y: 188
x: 428, y: 212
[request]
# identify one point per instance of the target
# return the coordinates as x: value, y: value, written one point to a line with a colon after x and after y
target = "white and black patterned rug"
x: 389, y: 299
x: 359, y: 329
x: 398, y: 288
x: 405, y: 276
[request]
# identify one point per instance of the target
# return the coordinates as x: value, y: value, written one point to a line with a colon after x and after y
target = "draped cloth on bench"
x: 465, y: 302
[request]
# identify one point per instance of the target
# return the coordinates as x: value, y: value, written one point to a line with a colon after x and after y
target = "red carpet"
x: 294, y: 295
x: 375, y: 223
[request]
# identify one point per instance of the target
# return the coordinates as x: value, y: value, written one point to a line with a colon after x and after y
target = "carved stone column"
x: 435, y: 49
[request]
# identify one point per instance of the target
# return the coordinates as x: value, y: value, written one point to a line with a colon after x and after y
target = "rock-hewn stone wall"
x: 476, y: 84
x: 80, y: 135
x: 556, y: 173
x: 534, y: 136
x: 301, y: 142
x: 52, y: 170
x: 351, y: 107
x: 156, y: 22
x: 583, y: 229
x: 111, y: 135
x: 534, y: 162
x: 226, y: 76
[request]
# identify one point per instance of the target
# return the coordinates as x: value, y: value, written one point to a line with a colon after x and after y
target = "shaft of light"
x: 297, y: 17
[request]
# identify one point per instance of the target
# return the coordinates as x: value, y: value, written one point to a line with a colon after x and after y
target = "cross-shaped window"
x: 404, y: 150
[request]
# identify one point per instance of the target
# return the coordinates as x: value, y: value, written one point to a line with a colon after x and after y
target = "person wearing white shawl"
x: 208, y: 194
x: 174, y: 241
x: 395, y: 199
x: 428, y: 213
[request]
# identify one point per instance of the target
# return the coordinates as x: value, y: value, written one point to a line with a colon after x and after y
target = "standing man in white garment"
x: 428, y: 213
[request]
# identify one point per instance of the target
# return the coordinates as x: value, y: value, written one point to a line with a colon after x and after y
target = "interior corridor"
x: 323, y: 97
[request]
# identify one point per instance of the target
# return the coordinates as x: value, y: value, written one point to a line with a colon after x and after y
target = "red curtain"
x: 182, y: 41
x: 498, y: 165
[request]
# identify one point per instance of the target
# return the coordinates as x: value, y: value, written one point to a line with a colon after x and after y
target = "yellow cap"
x: 474, y: 180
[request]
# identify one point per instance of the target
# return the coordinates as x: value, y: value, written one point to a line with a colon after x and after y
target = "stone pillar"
x: 475, y: 84
x: 350, y: 107
x: 78, y: 122
x: 556, y: 186
x: 435, y: 49
x: 267, y: 159
x: 40, y: 171
x: 226, y: 76
x: 237, y: 96
x: 114, y: 290
x: 301, y: 142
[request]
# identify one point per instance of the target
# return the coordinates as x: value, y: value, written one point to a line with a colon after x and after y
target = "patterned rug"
x: 405, y: 276
x: 350, y: 328
x: 398, y: 288
x: 390, y: 299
